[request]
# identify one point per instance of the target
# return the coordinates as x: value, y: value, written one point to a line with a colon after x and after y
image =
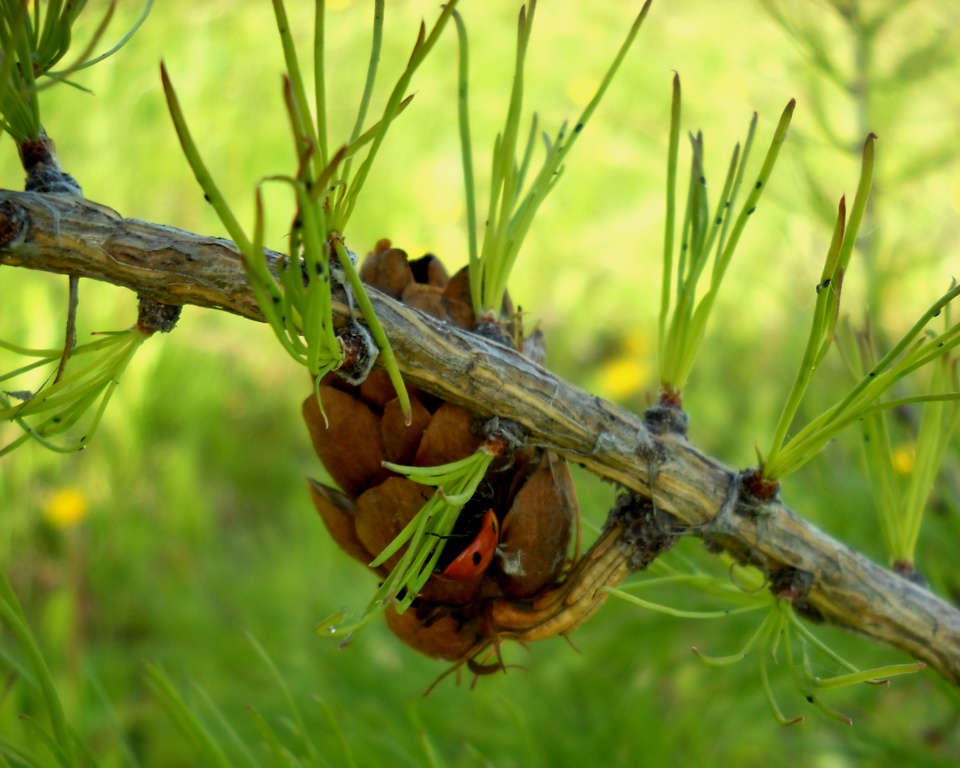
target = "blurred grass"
x: 199, y: 526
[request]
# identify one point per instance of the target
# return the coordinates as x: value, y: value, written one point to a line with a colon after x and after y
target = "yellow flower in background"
x: 903, y: 459
x: 66, y: 507
x: 623, y: 377
x: 629, y: 372
x: 581, y: 90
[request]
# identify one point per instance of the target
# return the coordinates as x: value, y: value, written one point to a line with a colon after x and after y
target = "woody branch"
x: 69, y: 235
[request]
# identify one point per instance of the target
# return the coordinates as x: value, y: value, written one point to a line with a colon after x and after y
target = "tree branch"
x: 68, y: 235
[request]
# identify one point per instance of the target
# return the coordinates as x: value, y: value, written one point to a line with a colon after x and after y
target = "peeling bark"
x: 69, y: 235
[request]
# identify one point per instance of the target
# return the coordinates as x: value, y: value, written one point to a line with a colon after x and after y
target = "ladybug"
x: 478, y: 554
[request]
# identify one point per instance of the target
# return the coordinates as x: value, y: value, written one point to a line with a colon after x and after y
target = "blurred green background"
x: 187, y: 522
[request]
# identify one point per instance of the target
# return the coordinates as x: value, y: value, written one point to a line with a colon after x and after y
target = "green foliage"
x: 679, y: 340
x: 747, y: 589
x: 289, y: 742
x: 425, y: 536
x: 510, y: 210
x: 823, y: 327
x: 297, y: 304
x: 901, y: 505
x: 59, y: 742
x: 58, y: 405
x: 33, y: 42
x: 915, y: 350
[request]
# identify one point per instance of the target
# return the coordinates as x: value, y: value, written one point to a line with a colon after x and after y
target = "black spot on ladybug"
x: 477, y: 558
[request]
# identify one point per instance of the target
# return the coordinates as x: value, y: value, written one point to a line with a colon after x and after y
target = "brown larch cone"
x: 530, y: 492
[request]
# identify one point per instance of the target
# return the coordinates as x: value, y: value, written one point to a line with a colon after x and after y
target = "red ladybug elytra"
x: 478, y: 554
